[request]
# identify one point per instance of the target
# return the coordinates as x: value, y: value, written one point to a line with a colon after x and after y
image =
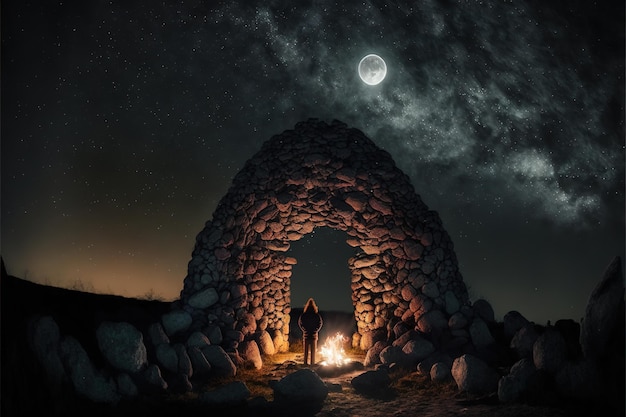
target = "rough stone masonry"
x: 315, y: 175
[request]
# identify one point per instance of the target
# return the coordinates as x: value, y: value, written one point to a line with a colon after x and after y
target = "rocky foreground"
x: 66, y: 352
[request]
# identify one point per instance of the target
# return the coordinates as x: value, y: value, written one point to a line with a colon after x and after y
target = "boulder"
x: 473, y: 375
x: 153, y: 378
x: 199, y: 363
x: 372, y: 383
x: 603, y: 310
x: 198, y: 339
x: 512, y: 387
x: 417, y: 349
x: 167, y: 357
x: 157, y: 335
x: 176, y: 321
x: 220, y: 362
x: 204, y: 298
x: 392, y: 354
x: 432, y: 321
x: 370, y: 337
x: 122, y: 345
x: 480, y: 334
x: 251, y: 354
x: 266, y: 345
x: 233, y: 393
x: 87, y: 381
x: 579, y: 381
x: 184, y: 362
x: 301, y: 392
x: 523, y: 341
x: 549, y: 351
x: 425, y: 366
x: 483, y: 309
x: 45, y: 340
x: 126, y: 386
x: 372, y: 357
x: 214, y: 333
x: 440, y: 372
x: 513, y: 321
x: 179, y: 383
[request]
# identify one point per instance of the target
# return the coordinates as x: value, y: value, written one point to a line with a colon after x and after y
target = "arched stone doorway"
x: 320, y: 175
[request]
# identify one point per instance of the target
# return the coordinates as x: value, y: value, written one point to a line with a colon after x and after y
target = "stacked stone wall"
x: 320, y: 175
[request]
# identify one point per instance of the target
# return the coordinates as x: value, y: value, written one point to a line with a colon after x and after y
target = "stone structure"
x: 318, y: 175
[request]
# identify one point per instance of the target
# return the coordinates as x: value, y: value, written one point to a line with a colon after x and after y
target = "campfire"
x: 332, y: 351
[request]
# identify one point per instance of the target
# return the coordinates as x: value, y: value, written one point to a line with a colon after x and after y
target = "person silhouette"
x: 310, y: 323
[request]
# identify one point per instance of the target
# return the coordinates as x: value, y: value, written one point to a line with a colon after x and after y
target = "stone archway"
x: 320, y: 175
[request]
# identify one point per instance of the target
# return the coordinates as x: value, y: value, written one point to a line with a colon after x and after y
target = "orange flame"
x: 332, y: 351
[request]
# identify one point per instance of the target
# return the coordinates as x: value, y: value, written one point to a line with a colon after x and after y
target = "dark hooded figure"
x: 310, y: 322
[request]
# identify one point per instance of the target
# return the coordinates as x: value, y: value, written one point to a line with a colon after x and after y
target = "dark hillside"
x: 23, y: 389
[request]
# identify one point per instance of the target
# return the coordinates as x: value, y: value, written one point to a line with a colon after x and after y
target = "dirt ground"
x: 410, y: 395
x: 25, y: 393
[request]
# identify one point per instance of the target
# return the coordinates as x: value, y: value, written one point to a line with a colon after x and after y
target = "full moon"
x: 372, y: 69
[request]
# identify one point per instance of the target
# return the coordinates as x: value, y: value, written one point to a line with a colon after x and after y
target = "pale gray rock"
x: 176, y: 321
x: 473, y: 375
x: 87, y: 381
x: 122, y: 345
x: 203, y: 299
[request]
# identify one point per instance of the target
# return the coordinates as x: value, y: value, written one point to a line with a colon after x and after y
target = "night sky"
x: 124, y: 122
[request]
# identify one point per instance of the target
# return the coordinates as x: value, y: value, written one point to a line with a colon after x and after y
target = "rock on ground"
x: 302, y: 392
x: 122, y: 345
x: 602, y: 310
x: 473, y: 375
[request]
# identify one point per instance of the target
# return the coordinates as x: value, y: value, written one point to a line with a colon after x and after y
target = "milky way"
x: 123, y: 125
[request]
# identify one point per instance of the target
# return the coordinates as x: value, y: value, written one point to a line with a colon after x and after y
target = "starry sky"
x: 124, y: 122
